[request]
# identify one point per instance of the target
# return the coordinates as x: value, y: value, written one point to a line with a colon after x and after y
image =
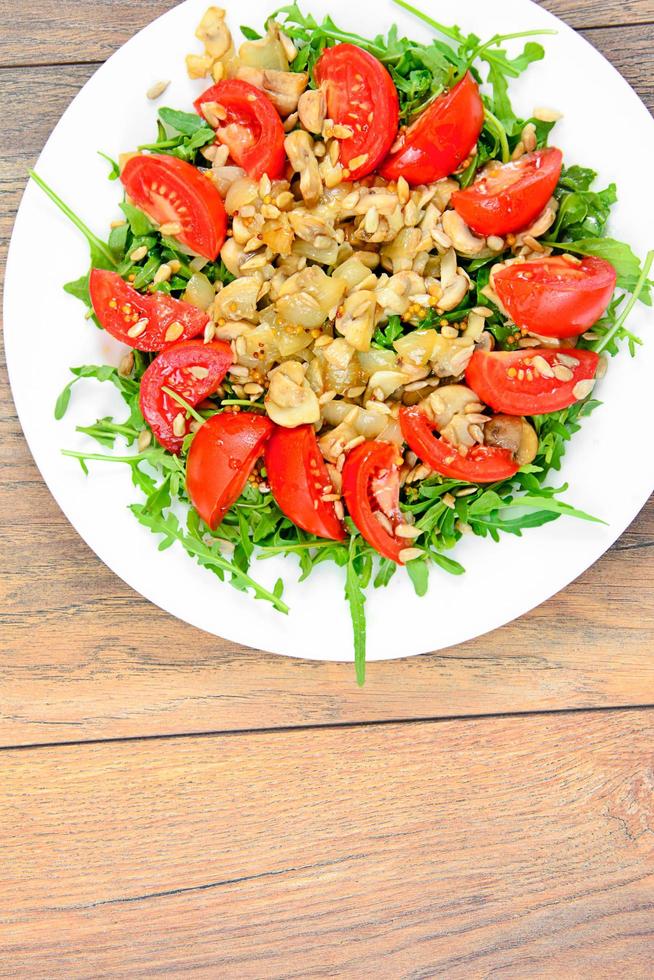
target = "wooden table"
x: 172, y: 803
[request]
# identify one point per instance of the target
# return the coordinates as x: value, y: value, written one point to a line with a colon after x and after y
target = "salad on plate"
x: 364, y: 305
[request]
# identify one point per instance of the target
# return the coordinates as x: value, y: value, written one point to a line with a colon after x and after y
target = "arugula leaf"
x: 186, y: 123
x: 114, y: 172
x: 139, y: 223
x: 500, y: 68
x: 101, y: 257
x: 386, y: 335
x: 357, y: 600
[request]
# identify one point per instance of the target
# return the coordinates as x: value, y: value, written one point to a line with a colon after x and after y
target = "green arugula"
x: 442, y: 509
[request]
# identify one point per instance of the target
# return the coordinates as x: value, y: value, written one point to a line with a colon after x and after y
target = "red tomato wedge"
x: 360, y: 94
x: 299, y: 480
x: 220, y: 460
x: 513, y: 382
x: 482, y: 464
x: 371, y: 485
x: 170, y: 190
x: 510, y: 197
x: 120, y: 308
x: 440, y: 139
x: 252, y: 129
x: 192, y: 370
x: 554, y: 297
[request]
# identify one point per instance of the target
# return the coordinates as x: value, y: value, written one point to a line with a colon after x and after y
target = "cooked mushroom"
x: 462, y: 237
x: 299, y: 149
x: 449, y: 401
x: 454, y: 282
x: 543, y: 223
x: 515, y: 434
x: 356, y: 319
x: 214, y: 33
x: 283, y: 88
x: 290, y: 401
x: 312, y: 109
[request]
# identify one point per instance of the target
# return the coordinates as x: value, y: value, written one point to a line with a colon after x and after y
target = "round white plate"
x: 609, y: 473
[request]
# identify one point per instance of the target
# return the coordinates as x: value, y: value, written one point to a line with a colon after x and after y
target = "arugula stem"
x: 445, y: 31
x: 109, y: 428
x: 105, y: 458
x: 499, y: 131
x: 224, y: 563
x: 183, y: 404
x: 500, y: 38
x: 242, y: 402
x: 86, y: 231
x: 276, y: 549
x: 633, y: 299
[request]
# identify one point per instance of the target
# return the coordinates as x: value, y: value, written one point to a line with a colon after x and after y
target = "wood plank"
x: 521, y: 847
x: 81, y: 31
x: 83, y: 657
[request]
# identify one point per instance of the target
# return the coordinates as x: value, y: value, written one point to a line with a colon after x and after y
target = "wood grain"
x: 83, y: 657
x: 81, y: 31
x: 519, y: 848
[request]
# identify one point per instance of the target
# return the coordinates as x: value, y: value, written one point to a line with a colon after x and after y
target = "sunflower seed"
x: 157, y: 89
x: 174, y: 332
x: 410, y: 554
x: 139, y: 327
x: 583, y: 388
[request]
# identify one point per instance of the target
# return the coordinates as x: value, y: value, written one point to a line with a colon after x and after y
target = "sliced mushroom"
x: 214, y: 33
x: 451, y: 400
x: 443, y: 190
x: 312, y: 110
x: 290, y: 400
x: 242, y: 192
x: 356, y: 319
x: 283, y: 88
x: 224, y: 177
x: 543, y: 223
x: 515, y: 434
x: 462, y: 237
x: 385, y: 382
x: 233, y: 255
x: 299, y: 149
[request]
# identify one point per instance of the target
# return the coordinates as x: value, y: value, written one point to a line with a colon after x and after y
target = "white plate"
x: 609, y: 473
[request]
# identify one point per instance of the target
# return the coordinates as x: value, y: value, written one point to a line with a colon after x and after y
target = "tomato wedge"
x: 515, y: 383
x: 299, y: 480
x: 252, y: 129
x: 510, y: 197
x: 556, y: 297
x: 440, y: 139
x: 371, y: 485
x: 360, y: 94
x: 121, y: 309
x: 482, y: 464
x: 220, y: 460
x: 192, y: 370
x: 170, y: 190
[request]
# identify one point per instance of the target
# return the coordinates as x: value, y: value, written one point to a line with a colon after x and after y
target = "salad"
x: 364, y: 305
